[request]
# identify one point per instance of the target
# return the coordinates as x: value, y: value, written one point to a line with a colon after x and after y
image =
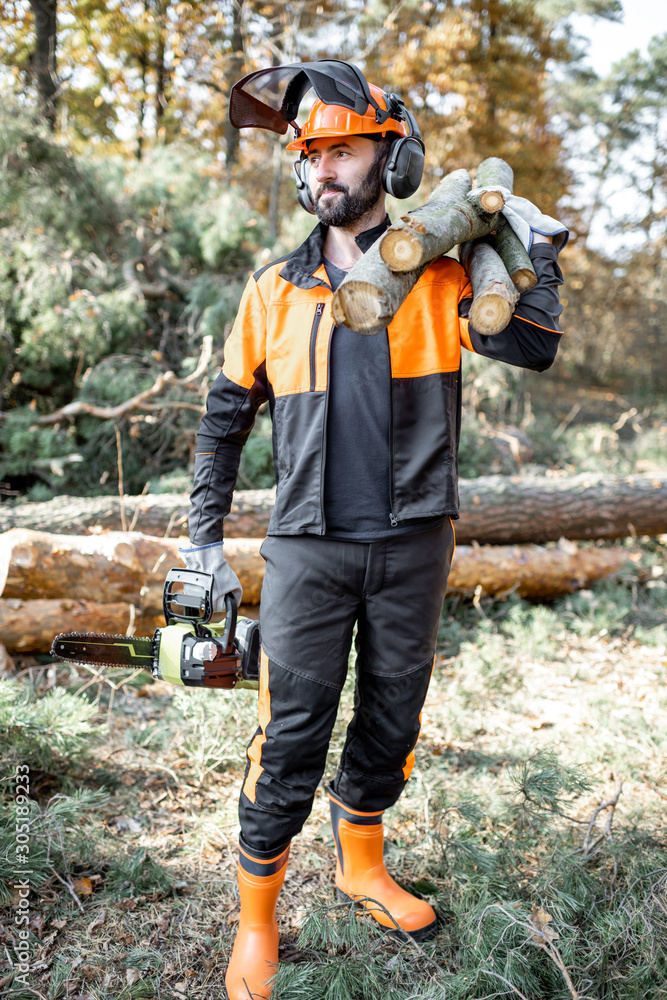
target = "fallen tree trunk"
x: 530, y: 570
x: 30, y: 626
x: 494, y: 509
x: 115, y: 567
x: 510, y: 509
x: 159, y: 514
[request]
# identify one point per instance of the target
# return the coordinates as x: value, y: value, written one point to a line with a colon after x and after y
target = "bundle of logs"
x: 494, y: 257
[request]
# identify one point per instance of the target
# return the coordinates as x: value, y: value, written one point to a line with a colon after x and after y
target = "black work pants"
x: 315, y: 590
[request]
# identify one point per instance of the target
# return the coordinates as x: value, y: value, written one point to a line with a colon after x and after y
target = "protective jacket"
x: 278, y: 351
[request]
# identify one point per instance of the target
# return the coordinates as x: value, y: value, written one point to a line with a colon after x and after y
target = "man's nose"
x: 324, y: 169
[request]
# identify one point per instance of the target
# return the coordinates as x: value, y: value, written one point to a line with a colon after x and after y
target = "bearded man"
x: 365, y: 434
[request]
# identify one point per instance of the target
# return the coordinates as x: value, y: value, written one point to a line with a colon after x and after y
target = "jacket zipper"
x: 324, y: 431
x: 313, y: 344
x: 393, y: 520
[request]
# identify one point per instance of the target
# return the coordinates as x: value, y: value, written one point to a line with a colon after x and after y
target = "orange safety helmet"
x: 327, y: 120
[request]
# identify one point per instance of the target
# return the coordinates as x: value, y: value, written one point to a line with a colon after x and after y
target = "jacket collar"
x: 302, y: 263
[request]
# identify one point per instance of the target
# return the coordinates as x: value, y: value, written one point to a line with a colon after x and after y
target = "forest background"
x: 131, y: 214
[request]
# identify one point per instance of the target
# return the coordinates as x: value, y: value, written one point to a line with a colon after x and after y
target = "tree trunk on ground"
x: 510, y: 509
x: 115, y: 567
x: 530, y: 570
x: 160, y: 514
x: 31, y: 626
x: 494, y: 509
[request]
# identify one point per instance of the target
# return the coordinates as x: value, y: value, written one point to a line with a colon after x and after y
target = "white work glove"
x: 525, y: 219
x: 209, y: 559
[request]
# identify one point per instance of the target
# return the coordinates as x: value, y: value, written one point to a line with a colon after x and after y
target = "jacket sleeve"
x: 531, y: 338
x: 231, y: 407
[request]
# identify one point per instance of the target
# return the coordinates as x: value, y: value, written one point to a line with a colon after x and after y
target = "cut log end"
x: 491, y: 311
x: 401, y: 250
x: 524, y: 279
x: 359, y: 306
x: 492, y: 201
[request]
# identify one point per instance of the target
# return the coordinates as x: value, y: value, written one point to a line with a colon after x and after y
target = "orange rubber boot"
x: 362, y: 876
x: 254, y: 960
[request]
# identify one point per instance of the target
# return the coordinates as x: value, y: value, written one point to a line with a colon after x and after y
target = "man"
x: 365, y: 439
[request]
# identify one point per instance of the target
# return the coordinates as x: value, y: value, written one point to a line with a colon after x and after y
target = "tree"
x: 477, y: 75
x: 44, y: 60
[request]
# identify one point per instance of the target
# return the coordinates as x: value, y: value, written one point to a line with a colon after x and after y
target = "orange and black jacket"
x: 278, y: 351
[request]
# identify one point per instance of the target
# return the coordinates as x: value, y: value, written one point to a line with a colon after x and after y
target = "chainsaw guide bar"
x: 105, y: 650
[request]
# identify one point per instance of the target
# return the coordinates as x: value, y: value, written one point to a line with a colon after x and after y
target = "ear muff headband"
x: 402, y: 171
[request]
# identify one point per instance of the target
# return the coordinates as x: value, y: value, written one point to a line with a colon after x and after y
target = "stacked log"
x: 372, y: 293
x: 113, y: 582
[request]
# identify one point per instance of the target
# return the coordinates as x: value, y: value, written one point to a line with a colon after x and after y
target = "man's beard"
x: 350, y: 207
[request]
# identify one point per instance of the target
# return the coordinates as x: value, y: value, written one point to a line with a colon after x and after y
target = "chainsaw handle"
x: 227, y: 638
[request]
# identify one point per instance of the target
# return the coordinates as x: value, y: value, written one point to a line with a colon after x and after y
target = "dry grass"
x: 158, y: 915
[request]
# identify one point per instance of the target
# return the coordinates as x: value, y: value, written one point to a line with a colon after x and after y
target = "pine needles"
x: 46, y: 733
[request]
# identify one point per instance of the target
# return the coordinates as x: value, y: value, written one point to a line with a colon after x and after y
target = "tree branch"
x: 165, y: 379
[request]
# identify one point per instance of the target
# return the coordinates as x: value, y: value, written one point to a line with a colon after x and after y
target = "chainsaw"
x: 191, y: 650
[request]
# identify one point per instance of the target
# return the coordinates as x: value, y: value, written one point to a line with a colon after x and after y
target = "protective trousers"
x: 315, y: 590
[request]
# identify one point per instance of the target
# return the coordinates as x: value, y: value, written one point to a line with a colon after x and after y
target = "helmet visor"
x: 270, y: 98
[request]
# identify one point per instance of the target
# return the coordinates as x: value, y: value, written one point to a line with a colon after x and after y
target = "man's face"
x: 344, y: 178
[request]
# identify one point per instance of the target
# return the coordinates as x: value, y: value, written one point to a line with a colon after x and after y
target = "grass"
x: 534, y: 822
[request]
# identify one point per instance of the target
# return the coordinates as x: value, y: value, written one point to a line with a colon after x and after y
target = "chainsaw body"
x: 190, y: 650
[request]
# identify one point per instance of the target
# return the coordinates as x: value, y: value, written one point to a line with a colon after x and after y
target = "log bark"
x: 530, y: 570
x: 494, y: 509
x: 30, y: 626
x: 420, y: 235
x: 510, y: 509
x: 515, y: 257
x: 116, y: 567
x: 371, y: 295
x: 452, y: 215
x: 160, y: 514
x: 493, y: 173
x: 494, y: 294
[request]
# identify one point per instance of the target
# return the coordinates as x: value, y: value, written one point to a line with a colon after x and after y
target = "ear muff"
x: 404, y: 166
x: 301, y: 169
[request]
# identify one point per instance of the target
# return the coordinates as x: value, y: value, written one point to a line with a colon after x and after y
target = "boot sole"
x: 421, y: 934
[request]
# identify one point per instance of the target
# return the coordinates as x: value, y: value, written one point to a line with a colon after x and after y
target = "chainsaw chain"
x: 96, y: 637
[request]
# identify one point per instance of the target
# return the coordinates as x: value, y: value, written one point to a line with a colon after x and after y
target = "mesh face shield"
x: 270, y: 98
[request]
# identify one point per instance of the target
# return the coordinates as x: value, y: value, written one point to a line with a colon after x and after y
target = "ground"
x: 536, y: 717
